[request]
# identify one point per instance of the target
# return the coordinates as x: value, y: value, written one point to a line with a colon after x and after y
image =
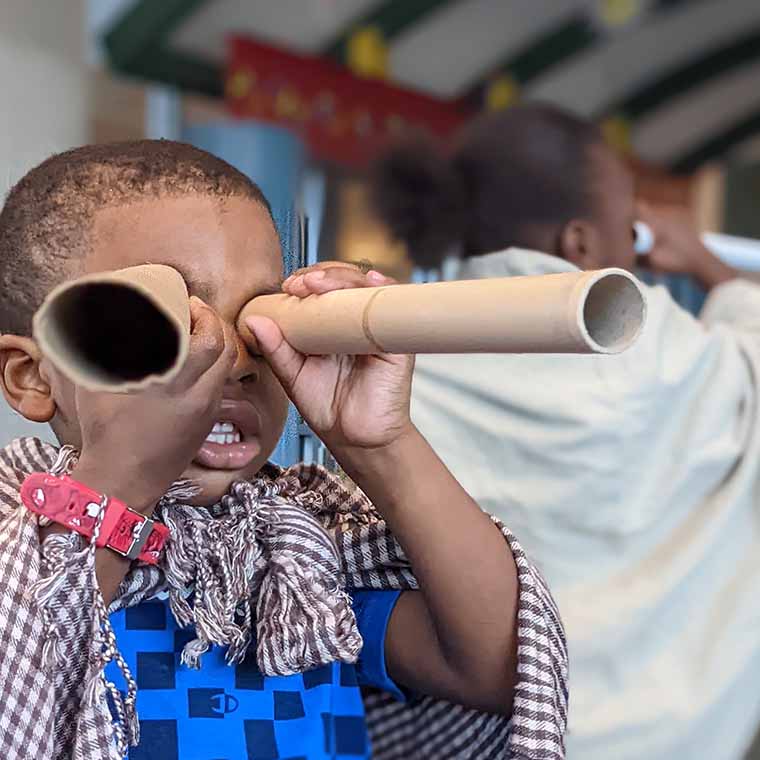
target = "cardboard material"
x: 121, y: 331
x: 117, y: 331
x: 576, y: 312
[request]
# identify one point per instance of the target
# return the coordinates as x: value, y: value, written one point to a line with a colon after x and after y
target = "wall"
x: 43, y: 80
x: 45, y: 99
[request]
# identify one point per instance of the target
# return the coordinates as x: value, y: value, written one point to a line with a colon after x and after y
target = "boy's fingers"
x: 378, y: 278
x: 285, y: 361
x: 323, y: 265
x: 325, y: 281
x: 643, y: 209
x: 333, y: 278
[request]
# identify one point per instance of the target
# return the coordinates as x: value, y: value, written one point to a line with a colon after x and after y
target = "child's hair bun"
x: 416, y: 192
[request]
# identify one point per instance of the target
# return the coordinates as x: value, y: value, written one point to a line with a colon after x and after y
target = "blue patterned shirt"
x: 223, y: 712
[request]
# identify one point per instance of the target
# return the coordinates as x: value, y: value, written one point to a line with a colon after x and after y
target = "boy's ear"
x: 24, y: 388
x: 580, y: 244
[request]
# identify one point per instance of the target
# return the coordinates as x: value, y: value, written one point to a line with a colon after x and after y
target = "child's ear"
x: 24, y: 388
x: 579, y: 244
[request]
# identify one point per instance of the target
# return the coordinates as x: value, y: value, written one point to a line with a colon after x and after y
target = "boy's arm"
x: 461, y: 641
x: 457, y: 639
x: 49, y: 652
x: 126, y: 451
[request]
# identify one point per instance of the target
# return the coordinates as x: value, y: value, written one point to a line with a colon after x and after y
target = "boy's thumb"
x: 284, y: 360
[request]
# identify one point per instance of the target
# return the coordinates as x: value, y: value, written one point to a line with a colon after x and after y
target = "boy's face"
x: 228, y: 252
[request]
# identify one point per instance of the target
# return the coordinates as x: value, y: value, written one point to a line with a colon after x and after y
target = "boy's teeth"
x: 224, y: 433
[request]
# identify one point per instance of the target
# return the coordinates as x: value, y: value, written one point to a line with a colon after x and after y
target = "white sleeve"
x: 679, y: 352
x: 691, y: 384
x: 735, y: 304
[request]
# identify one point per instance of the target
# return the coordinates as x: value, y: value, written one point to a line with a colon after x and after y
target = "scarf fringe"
x: 252, y: 550
x: 296, y: 603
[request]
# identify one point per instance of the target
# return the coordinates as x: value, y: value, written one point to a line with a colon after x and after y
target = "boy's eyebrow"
x: 206, y: 293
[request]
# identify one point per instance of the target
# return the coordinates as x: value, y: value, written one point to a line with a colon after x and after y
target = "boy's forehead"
x: 211, y: 241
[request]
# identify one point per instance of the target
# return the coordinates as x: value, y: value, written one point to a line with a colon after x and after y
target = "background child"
x: 257, y: 558
x: 633, y: 479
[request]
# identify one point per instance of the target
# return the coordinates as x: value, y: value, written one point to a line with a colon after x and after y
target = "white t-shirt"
x: 632, y: 480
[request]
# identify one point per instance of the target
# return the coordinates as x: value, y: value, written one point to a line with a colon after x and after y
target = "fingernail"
x: 373, y: 274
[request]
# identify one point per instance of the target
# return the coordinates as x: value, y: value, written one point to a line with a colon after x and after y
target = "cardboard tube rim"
x: 116, y: 277
x: 586, y: 286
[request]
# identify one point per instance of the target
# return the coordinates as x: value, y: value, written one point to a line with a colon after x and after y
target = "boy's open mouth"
x: 233, y: 442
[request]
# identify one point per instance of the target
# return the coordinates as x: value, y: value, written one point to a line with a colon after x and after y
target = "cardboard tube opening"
x: 613, y: 312
x: 114, y: 329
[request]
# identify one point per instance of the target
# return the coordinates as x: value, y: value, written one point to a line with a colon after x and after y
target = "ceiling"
x: 679, y: 77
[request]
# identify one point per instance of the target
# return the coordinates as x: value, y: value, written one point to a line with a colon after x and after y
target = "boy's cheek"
x: 65, y: 422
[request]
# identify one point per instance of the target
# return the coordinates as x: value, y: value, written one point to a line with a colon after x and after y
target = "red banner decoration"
x: 341, y: 117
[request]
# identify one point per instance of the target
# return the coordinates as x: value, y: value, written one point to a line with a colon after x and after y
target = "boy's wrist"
x: 379, y: 466
x: 712, y: 272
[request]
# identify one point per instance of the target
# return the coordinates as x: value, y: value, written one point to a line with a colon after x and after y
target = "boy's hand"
x: 457, y: 638
x: 135, y: 445
x: 348, y: 401
x: 678, y: 248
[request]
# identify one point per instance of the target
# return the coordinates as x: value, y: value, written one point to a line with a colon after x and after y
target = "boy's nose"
x: 245, y: 367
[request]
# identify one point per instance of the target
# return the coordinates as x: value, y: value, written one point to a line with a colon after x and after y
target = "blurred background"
x: 302, y: 93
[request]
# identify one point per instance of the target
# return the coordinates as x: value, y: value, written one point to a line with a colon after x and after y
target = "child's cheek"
x: 63, y: 393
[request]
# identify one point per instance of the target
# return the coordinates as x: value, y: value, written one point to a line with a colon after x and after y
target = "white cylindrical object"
x: 739, y: 252
x: 573, y: 312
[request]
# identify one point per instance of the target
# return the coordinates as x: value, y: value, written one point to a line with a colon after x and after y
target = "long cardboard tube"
x: 117, y: 331
x: 575, y: 312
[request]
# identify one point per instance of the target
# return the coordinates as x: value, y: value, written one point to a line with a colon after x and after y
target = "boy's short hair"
x: 507, y: 173
x: 48, y: 215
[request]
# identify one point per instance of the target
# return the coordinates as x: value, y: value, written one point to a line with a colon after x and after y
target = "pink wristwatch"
x: 75, y: 506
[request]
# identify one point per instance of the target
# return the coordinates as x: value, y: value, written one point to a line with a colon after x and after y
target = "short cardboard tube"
x: 117, y: 331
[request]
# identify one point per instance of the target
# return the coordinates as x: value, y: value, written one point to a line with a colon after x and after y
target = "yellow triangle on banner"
x: 367, y: 53
x: 501, y: 93
x: 239, y: 83
x: 619, y: 12
x: 617, y: 132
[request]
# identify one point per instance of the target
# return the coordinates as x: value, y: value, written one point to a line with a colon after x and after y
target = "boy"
x: 633, y: 478
x: 256, y: 560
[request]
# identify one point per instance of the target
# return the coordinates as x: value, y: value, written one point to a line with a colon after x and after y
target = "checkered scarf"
x: 289, y: 543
